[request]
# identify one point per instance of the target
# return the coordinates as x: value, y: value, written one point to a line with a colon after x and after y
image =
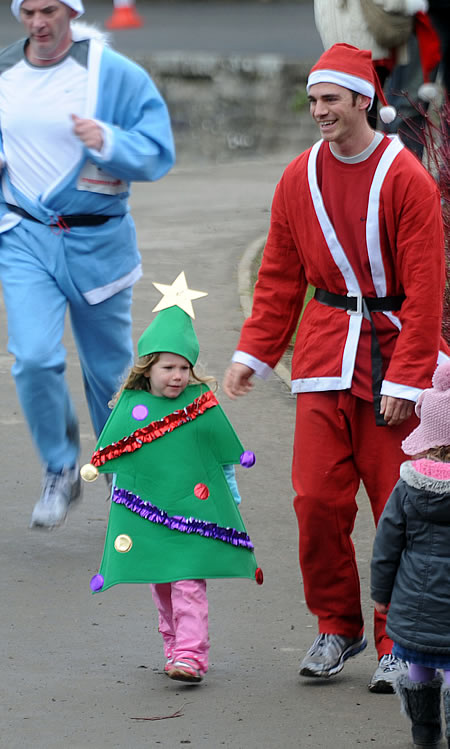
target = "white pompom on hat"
x: 428, y: 92
x: 351, y: 68
x: 387, y: 113
x: 76, y: 5
x: 433, y: 409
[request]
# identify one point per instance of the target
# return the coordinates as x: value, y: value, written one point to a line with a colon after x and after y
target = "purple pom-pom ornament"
x: 247, y: 459
x: 97, y: 582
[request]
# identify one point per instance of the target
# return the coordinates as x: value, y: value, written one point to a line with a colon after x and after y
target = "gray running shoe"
x: 59, y: 490
x: 328, y: 654
x: 387, y: 673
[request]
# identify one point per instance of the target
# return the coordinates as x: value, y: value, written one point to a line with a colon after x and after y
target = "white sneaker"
x: 389, y: 669
x: 328, y: 653
x: 58, y: 491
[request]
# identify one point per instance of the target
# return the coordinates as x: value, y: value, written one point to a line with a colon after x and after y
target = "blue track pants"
x: 38, y: 289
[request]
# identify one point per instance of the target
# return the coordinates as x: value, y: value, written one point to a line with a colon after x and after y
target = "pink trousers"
x: 183, y: 620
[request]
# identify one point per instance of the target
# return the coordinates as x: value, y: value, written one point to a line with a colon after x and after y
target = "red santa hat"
x: 351, y: 68
x: 429, y: 53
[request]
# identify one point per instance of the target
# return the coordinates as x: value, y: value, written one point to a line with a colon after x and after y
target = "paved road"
x: 222, y: 28
x: 78, y: 669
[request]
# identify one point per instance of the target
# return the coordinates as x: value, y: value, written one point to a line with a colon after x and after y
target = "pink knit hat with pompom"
x: 433, y: 409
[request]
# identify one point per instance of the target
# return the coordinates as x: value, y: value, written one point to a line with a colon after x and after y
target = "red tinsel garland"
x: 155, y: 429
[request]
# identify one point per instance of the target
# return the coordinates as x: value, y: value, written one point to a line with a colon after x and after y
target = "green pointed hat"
x: 172, y: 329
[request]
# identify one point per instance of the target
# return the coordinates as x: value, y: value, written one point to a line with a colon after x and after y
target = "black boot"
x: 446, y: 696
x: 421, y: 701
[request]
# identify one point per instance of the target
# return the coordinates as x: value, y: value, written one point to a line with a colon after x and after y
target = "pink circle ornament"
x: 201, y: 491
x: 140, y: 412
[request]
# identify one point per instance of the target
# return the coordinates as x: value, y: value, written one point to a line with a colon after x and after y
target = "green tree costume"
x: 172, y: 515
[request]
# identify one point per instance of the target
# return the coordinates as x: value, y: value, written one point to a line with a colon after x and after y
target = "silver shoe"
x: 59, y: 490
x: 389, y: 669
x: 328, y: 654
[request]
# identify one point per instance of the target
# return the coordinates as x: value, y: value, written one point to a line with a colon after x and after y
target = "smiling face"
x: 169, y: 376
x: 47, y: 23
x: 341, y: 117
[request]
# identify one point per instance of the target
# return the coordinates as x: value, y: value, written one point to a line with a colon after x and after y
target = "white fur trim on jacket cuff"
x: 106, y: 150
x: 396, y: 390
x: 95, y: 296
x: 260, y: 369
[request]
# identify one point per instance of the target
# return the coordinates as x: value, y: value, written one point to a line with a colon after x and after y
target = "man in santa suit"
x: 357, y: 217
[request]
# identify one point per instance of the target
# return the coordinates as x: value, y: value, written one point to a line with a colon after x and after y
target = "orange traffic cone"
x: 124, y: 16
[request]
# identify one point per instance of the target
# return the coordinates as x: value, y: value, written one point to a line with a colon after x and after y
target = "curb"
x: 245, y: 288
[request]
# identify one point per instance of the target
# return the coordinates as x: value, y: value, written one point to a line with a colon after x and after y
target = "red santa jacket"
x: 371, y: 228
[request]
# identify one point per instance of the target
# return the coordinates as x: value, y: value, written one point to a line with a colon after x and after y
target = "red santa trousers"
x: 183, y: 620
x: 336, y: 445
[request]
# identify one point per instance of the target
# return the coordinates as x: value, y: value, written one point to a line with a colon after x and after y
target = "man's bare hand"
x: 89, y: 132
x: 395, y: 410
x: 382, y: 608
x: 237, y: 380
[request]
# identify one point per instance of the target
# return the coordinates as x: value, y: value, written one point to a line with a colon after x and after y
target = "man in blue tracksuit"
x: 78, y: 123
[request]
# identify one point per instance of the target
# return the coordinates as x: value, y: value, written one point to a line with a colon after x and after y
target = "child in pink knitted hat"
x: 410, y: 570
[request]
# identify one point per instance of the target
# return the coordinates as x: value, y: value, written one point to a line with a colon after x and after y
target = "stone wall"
x: 226, y: 107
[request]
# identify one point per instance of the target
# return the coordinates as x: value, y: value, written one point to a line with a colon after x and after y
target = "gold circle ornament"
x: 88, y: 472
x: 123, y: 543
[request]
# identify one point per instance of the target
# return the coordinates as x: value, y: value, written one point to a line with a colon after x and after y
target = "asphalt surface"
x: 222, y: 28
x: 78, y: 670
x: 84, y: 671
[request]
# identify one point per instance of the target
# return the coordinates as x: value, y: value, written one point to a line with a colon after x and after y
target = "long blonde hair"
x: 137, y: 377
x: 441, y: 454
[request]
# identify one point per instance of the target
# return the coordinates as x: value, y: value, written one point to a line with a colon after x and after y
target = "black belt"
x: 63, y: 222
x: 366, y: 305
x: 350, y: 303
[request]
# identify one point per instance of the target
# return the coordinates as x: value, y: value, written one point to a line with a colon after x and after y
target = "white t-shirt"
x: 36, y: 104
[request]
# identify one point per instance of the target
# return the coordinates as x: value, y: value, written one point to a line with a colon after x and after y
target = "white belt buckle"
x: 359, y: 304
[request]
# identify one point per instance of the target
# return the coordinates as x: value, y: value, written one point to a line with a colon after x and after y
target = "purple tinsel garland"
x: 179, y: 523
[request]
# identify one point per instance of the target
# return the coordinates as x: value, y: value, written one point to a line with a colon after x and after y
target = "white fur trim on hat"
x: 76, y: 5
x: 346, y: 80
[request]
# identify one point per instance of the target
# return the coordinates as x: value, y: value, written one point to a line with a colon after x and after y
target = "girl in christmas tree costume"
x: 174, y: 519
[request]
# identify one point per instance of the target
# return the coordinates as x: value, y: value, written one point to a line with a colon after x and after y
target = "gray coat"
x: 411, y: 561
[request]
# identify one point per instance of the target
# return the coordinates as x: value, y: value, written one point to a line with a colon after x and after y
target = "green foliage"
x: 299, y: 100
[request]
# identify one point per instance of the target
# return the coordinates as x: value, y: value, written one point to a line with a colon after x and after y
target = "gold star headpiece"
x: 177, y: 294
